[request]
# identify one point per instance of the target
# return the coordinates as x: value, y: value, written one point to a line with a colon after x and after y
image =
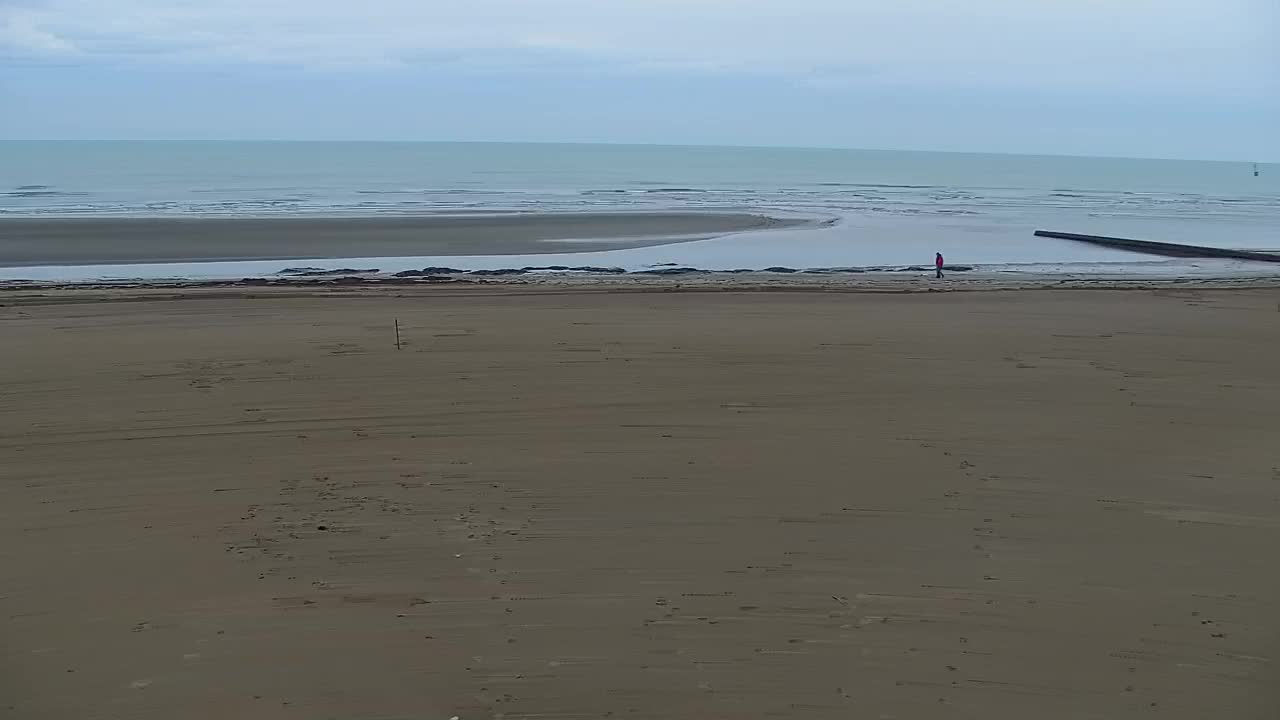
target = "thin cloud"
x: 22, y: 36
x: 1183, y: 47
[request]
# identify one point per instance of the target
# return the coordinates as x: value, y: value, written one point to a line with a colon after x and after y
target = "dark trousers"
x: 939, y: 273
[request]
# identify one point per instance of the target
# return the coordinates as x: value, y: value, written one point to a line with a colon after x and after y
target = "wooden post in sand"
x: 397, y: 333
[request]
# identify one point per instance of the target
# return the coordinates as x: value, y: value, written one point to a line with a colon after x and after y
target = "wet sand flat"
x: 90, y: 241
x: 582, y: 504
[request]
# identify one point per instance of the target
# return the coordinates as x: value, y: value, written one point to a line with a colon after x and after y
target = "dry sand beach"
x: 579, y: 502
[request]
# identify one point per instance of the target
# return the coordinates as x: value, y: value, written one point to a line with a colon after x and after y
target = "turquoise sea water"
x: 894, y: 205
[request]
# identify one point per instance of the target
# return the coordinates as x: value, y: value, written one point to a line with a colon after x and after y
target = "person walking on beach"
x: 938, y: 262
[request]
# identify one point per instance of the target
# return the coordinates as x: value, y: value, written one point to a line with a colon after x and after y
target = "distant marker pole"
x: 397, y: 333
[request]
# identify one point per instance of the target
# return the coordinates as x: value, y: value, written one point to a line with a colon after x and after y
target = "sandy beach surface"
x: 590, y: 503
x: 90, y: 241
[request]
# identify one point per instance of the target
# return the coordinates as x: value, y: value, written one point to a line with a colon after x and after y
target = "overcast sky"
x: 1158, y: 78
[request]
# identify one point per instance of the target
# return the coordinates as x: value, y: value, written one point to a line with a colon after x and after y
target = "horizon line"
x: 611, y: 143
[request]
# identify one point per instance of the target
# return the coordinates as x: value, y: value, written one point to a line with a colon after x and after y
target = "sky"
x: 1140, y: 78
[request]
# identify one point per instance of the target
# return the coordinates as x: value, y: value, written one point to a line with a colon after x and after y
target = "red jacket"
x: 938, y: 261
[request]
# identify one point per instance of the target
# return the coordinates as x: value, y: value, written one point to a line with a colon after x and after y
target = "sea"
x: 878, y: 207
